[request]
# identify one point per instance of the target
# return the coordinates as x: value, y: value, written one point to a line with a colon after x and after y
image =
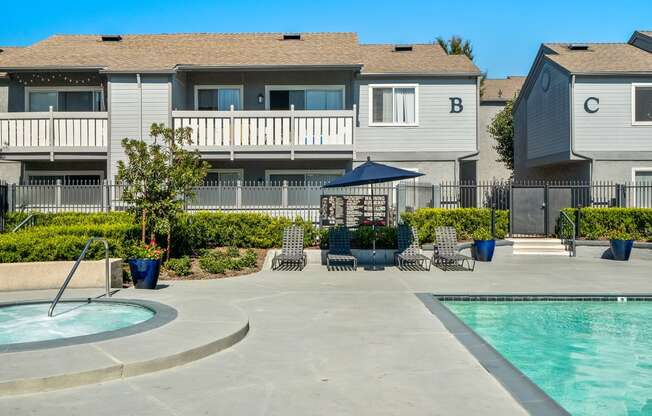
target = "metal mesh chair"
x: 292, y: 251
x: 446, y: 254
x: 339, y: 247
x: 409, y: 249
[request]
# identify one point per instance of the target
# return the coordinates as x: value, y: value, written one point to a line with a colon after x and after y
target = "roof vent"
x: 403, y: 48
x: 578, y: 47
x: 292, y: 36
x: 111, y: 38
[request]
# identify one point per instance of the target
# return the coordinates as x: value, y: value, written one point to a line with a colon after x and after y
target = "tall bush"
x: 464, y: 220
x: 599, y: 223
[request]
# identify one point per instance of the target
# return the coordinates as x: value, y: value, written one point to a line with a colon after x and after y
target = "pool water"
x: 593, y: 358
x: 30, y: 322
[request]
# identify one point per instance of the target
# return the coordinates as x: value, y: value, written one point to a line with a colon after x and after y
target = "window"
x: 394, y: 105
x: 302, y: 177
x: 66, y: 178
x: 326, y: 97
x: 224, y: 176
x: 218, y: 98
x: 642, y: 104
x: 64, y: 100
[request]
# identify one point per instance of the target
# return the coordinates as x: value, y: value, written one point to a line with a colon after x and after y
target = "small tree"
x: 456, y: 46
x: 501, y: 129
x: 159, y: 177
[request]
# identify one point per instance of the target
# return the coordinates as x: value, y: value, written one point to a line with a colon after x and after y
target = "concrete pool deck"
x: 337, y: 343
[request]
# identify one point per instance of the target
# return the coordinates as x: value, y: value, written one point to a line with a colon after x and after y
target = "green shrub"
x: 482, y: 234
x: 193, y: 232
x: 219, y: 262
x: 57, y: 242
x: 362, y: 237
x: 465, y: 221
x: 602, y: 223
x: 180, y: 267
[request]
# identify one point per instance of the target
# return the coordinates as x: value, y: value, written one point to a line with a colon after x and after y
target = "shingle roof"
x: 168, y: 51
x: 600, y: 58
x: 501, y: 89
x: 6, y: 51
x: 422, y: 59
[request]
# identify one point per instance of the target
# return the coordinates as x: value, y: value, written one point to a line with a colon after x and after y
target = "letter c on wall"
x: 456, y: 105
x: 592, y: 105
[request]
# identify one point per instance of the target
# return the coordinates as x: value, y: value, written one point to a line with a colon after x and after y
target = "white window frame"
x: 636, y: 170
x: 634, y: 86
x: 240, y: 172
x: 29, y: 90
x: 370, y: 88
x: 30, y: 173
x: 303, y: 88
x: 270, y: 172
x: 239, y: 87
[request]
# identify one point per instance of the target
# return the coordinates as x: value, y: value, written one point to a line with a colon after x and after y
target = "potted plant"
x: 146, y: 265
x: 621, y: 243
x: 483, y: 245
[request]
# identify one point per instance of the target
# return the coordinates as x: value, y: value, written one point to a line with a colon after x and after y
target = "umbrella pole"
x: 373, y: 231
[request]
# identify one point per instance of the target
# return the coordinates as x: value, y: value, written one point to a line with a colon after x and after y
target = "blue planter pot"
x: 483, y: 250
x: 621, y: 249
x: 144, y: 273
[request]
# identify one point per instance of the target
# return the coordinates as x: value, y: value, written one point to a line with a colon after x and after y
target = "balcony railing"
x: 242, y: 129
x: 51, y: 131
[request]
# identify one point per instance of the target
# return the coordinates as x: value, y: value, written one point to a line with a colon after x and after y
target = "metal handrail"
x: 76, y: 265
x: 565, y: 218
x: 30, y: 218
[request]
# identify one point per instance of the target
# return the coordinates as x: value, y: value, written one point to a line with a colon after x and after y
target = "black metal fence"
x: 302, y: 200
x: 4, y: 204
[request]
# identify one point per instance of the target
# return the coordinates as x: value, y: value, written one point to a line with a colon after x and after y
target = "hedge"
x: 197, y: 231
x: 56, y: 242
x: 465, y: 221
x: 362, y: 237
x: 68, y: 218
x: 599, y: 223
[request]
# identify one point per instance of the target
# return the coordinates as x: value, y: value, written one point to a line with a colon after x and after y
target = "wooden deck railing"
x: 233, y: 129
x: 53, y: 130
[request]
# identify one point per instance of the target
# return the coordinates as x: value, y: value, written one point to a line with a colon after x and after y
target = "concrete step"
x: 539, y: 253
x: 540, y: 248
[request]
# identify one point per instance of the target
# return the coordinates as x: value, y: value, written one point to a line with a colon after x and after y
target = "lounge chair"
x: 446, y: 253
x: 339, y: 247
x: 292, y: 251
x: 409, y: 250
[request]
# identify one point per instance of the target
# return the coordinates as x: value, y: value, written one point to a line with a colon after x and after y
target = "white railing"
x: 231, y: 129
x: 53, y: 130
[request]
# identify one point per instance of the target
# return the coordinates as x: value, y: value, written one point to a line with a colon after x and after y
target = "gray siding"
x: 643, y: 43
x: 4, y: 95
x: 617, y: 171
x: 548, y: 114
x: 488, y: 167
x: 610, y: 129
x: 127, y: 110
x: 439, y: 130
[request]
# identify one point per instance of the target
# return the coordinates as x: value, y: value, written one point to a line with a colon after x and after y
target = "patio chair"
x: 292, y: 251
x: 409, y: 250
x: 339, y: 247
x: 446, y: 253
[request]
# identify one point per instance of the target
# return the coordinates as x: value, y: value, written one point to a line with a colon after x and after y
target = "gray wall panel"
x: 488, y: 168
x: 438, y: 130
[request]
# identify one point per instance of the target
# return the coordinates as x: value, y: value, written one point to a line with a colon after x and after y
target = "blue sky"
x: 505, y: 34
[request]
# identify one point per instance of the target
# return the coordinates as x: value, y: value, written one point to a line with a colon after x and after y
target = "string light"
x: 35, y: 78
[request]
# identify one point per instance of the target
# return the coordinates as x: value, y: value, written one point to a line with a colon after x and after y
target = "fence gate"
x: 528, y: 210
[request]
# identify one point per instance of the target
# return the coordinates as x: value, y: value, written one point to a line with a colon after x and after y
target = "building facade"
x: 494, y: 95
x: 585, y: 113
x: 263, y: 107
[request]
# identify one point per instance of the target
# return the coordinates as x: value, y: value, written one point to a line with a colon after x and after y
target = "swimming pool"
x: 27, y: 325
x: 592, y: 357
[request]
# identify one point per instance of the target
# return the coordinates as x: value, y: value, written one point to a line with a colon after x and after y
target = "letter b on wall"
x: 456, y: 105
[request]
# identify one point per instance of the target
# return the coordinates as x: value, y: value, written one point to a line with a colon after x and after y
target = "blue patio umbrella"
x: 370, y: 173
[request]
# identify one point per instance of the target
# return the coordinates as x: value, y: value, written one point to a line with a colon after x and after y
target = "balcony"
x: 51, y: 132
x: 292, y: 131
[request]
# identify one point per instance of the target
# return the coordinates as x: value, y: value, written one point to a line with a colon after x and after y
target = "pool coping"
x: 163, y: 314
x: 530, y: 396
